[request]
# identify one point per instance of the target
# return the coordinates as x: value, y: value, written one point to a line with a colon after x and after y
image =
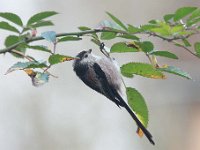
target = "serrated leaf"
x: 25, y: 65
x: 69, y: 38
x: 116, y: 20
x: 133, y: 29
x: 39, y: 79
x: 13, y: 39
x: 146, y: 46
x: 153, y: 21
x: 84, y: 28
x: 142, y: 69
x: 176, y: 29
x: 6, y: 26
x: 197, y: 48
x: 176, y: 71
x: 10, y: 40
x: 49, y: 36
x: 122, y: 47
x: 12, y: 17
x: 42, y: 24
x: 39, y: 47
x: 57, y: 58
x: 186, y: 42
x: 168, y: 17
x: 148, y: 27
x: 194, y: 14
x: 108, y: 35
x: 138, y: 105
x: 40, y: 16
x: 129, y: 36
x: 182, y: 12
x: 193, y: 22
x: 163, y: 29
x: 164, y: 54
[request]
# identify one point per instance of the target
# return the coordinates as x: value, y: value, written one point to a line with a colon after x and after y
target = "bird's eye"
x: 86, y: 55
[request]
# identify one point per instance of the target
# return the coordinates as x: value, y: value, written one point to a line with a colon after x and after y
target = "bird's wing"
x: 107, y: 89
x: 112, y: 94
x: 89, y: 78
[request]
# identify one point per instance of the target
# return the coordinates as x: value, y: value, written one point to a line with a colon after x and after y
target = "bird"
x: 102, y: 74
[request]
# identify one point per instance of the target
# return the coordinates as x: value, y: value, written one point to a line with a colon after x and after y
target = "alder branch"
x: 82, y: 33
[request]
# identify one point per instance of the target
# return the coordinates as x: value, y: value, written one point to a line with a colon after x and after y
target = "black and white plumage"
x: 102, y: 74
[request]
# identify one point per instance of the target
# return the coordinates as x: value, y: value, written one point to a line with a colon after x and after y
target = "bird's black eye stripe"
x: 86, y: 55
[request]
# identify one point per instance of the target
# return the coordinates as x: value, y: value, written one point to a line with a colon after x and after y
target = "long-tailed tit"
x: 102, y: 74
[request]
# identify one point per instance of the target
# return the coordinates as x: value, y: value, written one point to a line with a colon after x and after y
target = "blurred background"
x: 65, y: 114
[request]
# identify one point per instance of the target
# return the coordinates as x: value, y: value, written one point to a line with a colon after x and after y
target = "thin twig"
x: 187, y: 49
x: 30, y: 59
x: 22, y: 54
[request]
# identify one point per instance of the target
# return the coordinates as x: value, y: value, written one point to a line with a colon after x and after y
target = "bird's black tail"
x: 140, y: 125
x: 110, y: 92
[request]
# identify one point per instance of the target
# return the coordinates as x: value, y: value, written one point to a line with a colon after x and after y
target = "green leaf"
x: 13, y: 39
x: 39, y: 47
x: 10, y: 40
x: 183, y: 12
x: 153, y: 21
x: 176, y: 29
x: 138, y: 105
x: 49, y: 36
x: 57, y: 58
x: 129, y: 36
x: 69, y: 38
x: 146, y: 46
x: 176, y: 71
x: 193, y: 22
x: 163, y: 29
x: 142, y: 69
x: 116, y: 20
x: 133, y: 29
x: 121, y: 47
x: 84, y: 28
x: 7, y: 26
x: 164, y: 54
x: 42, y: 24
x: 194, y: 14
x: 197, y: 48
x: 168, y: 17
x: 108, y: 35
x: 25, y: 65
x: 186, y: 43
x: 12, y: 17
x: 148, y: 27
x: 40, y: 16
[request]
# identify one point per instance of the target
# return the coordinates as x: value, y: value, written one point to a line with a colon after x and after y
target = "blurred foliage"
x: 176, y: 28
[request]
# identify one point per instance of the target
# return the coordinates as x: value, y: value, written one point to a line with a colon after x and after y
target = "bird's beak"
x: 89, y: 51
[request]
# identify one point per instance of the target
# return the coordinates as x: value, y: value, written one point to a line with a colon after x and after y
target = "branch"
x: 38, y: 38
x: 106, y: 29
x: 187, y: 49
x: 30, y: 59
x: 173, y: 40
